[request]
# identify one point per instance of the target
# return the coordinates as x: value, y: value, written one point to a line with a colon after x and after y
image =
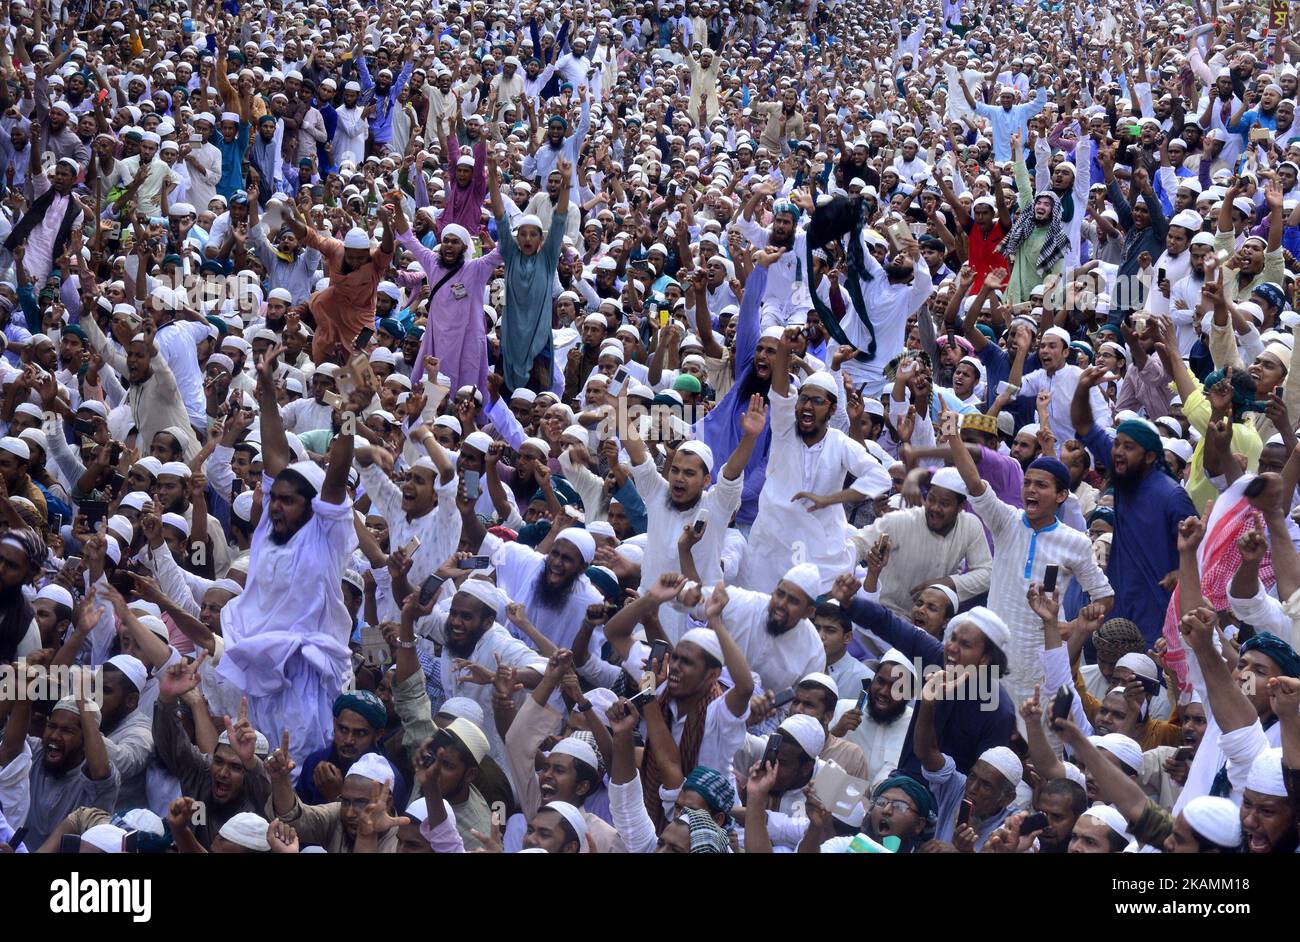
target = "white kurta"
x: 517, y: 569
x: 785, y: 532
x: 287, y: 635
x: 1020, y: 556
x: 664, y: 524
x: 778, y: 660
x: 881, y: 743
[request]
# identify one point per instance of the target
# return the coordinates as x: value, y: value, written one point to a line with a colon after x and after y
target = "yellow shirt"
x: 1245, y: 441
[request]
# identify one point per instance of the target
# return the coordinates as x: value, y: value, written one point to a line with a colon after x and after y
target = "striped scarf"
x: 1054, y: 246
x: 689, y: 749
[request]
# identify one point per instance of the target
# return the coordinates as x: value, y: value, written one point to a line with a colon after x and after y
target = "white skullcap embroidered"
x: 356, y: 238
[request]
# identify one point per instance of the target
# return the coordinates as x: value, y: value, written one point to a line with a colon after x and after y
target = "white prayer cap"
x: 485, y: 592
x: 601, y: 528
x: 311, y: 472
x: 699, y: 450
x: 948, y: 593
x: 895, y: 656
x: 822, y: 380
x: 223, y: 361
x: 372, y: 766
x: 584, y: 541
x: 1265, y: 775
x: 132, y: 669
x: 463, y: 707
x: 806, y: 731
x: 153, y: 623
x: 29, y: 408
x: 177, y: 522
x: 69, y: 704
x: 248, y: 830
x: 527, y: 220
x: 576, y: 821
x: 470, y: 735
x: 1075, y: 774
x: 104, y: 837
x: 122, y: 527
x: 988, y: 622
x: 1181, y: 447
x: 1006, y: 762
x: 352, y: 87
x: 950, y: 480
x: 1214, y: 819
x: 541, y: 445
x: 55, y: 593
x: 876, y: 407
x: 243, y: 506
x: 772, y: 333
x: 1122, y: 747
x: 577, y: 431
x: 578, y: 749
x: 1111, y: 817
x: 821, y: 680
x: 382, y: 355
x: 175, y: 468
x: 1189, y: 183
x: 35, y: 437
x: 1059, y: 333
x: 806, y: 577
x: 1139, y: 664
x: 1188, y: 219
x: 705, y: 640
x: 479, y: 441
x: 16, y: 447
x: 1203, y: 238
x: 356, y: 238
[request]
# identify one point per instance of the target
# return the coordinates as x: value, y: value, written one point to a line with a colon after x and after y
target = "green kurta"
x: 1025, y: 275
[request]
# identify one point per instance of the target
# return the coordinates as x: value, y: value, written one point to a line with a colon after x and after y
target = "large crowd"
x: 689, y: 427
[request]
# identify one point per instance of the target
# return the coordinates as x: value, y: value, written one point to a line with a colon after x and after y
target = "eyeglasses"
x: 815, y: 401
x: 899, y: 806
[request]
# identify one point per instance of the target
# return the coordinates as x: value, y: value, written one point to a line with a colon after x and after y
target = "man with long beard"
x: 287, y: 634
x: 1149, y: 505
x: 553, y: 587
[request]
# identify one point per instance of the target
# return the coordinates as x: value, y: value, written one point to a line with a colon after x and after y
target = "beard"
x: 774, y: 628
x: 549, y: 596
x: 465, y: 648
x: 898, y: 272
x: 683, y: 506
x: 884, y: 717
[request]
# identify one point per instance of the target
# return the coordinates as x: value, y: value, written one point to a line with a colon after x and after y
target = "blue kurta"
x: 1145, y: 547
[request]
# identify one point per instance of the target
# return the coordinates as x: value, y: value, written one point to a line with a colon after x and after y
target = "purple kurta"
x: 464, y: 205
x: 456, y: 333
